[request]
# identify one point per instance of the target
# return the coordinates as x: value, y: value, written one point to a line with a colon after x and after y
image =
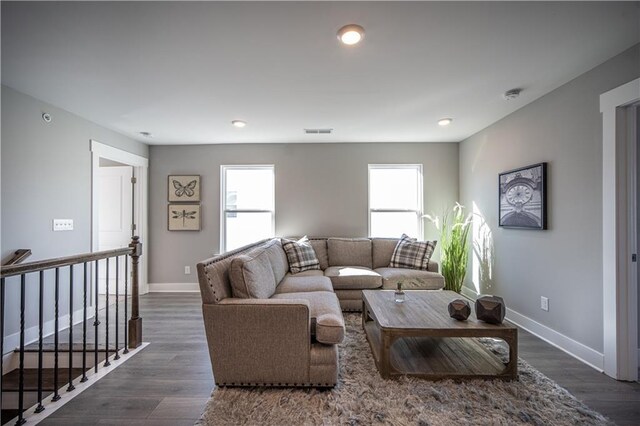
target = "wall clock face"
x: 519, y: 194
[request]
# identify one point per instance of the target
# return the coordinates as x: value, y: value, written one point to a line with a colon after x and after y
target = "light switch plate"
x: 63, y: 224
x: 544, y: 303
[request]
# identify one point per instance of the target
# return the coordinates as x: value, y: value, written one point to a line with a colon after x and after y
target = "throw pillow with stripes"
x: 412, y: 254
x: 300, y: 254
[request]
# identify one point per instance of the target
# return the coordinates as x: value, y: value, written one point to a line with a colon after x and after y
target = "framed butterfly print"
x: 184, y: 217
x: 184, y: 188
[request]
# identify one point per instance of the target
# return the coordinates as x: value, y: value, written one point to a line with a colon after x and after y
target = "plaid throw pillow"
x: 412, y: 254
x: 300, y: 255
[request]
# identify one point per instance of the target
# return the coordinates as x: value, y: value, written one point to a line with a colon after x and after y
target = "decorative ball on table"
x: 490, y: 309
x: 459, y: 309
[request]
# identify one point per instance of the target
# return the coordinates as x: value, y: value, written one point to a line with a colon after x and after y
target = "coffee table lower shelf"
x: 436, y: 358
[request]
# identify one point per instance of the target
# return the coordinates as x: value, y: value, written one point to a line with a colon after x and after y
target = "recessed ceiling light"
x: 445, y: 121
x: 351, y: 34
x: 239, y: 123
x: 146, y: 134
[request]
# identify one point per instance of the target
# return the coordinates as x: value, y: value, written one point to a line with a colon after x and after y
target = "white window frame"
x: 223, y: 199
x: 418, y: 212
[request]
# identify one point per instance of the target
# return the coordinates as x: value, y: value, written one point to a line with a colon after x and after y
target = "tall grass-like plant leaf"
x: 454, y: 243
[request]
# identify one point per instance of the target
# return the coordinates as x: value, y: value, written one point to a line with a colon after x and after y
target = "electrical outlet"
x: 544, y: 303
x: 63, y: 224
x: 187, y: 270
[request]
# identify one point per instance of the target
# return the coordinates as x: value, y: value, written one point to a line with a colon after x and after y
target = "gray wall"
x: 563, y: 263
x: 46, y: 174
x: 321, y: 190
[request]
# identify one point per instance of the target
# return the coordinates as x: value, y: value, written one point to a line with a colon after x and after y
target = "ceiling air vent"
x: 318, y: 131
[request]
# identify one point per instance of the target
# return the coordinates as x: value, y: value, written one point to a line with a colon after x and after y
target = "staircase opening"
x: 73, y: 339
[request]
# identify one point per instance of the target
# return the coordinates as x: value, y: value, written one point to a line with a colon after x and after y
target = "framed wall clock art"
x: 522, y: 196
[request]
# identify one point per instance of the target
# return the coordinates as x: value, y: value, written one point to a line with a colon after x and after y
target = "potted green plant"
x: 454, y: 246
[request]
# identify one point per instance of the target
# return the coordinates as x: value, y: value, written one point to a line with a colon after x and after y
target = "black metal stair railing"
x: 132, y: 327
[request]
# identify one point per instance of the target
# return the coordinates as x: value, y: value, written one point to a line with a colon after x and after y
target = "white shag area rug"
x: 362, y: 397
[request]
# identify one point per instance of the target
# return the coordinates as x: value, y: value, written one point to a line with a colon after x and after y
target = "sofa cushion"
x: 320, y: 303
x: 349, y: 252
x: 382, y: 250
x: 308, y: 273
x: 353, y: 277
x: 320, y: 247
x: 295, y: 283
x: 411, y: 279
x: 251, y: 275
x: 278, y: 259
x: 349, y: 294
x: 300, y: 254
x: 411, y: 253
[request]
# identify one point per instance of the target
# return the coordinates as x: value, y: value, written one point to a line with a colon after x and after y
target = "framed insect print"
x: 184, y: 188
x: 523, y: 197
x: 184, y: 217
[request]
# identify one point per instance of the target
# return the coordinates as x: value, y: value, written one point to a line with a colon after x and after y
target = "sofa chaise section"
x: 411, y: 279
x: 356, y: 264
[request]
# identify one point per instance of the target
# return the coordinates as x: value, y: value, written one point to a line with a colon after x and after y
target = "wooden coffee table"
x: 419, y: 338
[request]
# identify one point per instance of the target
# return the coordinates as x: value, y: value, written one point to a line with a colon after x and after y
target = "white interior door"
x: 114, y: 220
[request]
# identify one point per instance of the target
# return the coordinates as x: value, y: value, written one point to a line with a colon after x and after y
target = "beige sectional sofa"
x: 266, y: 326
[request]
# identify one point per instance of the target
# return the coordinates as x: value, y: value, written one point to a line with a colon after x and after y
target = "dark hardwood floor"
x: 169, y: 382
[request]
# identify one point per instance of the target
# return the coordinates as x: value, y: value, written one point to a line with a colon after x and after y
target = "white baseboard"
x: 174, y: 288
x: 572, y: 347
x: 31, y: 334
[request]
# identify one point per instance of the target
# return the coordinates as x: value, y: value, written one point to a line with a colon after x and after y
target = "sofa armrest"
x: 258, y: 341
x: 433, y: 266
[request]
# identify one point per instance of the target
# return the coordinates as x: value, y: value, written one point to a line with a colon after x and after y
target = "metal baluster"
x: 84, y: 325
x: 106, y: 315
x: 56, y: 341
x: 71, y: 386
x: 40, y: 407
x: 117, y: 303
x: 21, y: 419
x: 126, y: 302
x: 96, y: 323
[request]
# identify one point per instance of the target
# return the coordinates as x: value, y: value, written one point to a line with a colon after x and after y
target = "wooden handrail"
x: 134, y: 250
x: 41, y: 265
x: 18, y: 257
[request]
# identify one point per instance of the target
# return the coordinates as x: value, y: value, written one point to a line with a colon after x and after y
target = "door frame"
x: 619, y: 277
x: 140, y: 199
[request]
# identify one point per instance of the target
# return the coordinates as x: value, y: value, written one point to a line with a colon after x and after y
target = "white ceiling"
x: 183, y: 71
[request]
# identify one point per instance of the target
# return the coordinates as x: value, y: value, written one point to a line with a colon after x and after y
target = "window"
x: 395, y: 200
x: 248, y: 210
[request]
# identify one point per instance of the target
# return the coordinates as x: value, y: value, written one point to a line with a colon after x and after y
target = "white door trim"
x: 618, y: 287
x: 141, y: 172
